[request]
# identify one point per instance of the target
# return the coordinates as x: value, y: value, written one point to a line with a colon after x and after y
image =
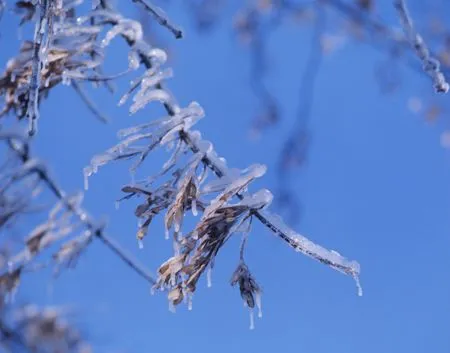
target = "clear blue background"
x: 376, y: 188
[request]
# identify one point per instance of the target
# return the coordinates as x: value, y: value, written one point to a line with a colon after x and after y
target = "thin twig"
x: 89, y: 103
x: 161, y: 18
x: 294, y: 150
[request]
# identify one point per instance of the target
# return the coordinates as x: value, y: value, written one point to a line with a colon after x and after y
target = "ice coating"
x: 307, y: 247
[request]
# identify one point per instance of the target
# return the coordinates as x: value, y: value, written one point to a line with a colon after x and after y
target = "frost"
x: 194, y: 207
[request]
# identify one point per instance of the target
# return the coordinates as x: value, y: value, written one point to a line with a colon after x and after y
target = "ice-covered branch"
x: 278, y: 227
x: 164, y: 131
x: 35, y: 82
x: 430, y: 65
x: 288, y: 235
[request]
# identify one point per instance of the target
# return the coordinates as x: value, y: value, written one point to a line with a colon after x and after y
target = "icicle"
x: 208, y: 278
x: 358, y: 285
x: 194, y: 207
x: 172, y: 308
x: 65, y: 78
x: 252, y: 320
x: 176, y: 225
x: 140, y: 243
x: 258, y: 303
x: 87, y: 172
x: 117, y: 205
x: 166, y: 234
x: 189, y: 302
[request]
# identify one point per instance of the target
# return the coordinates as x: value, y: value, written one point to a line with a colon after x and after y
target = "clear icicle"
x: 208, y: 277
x: 258, y: 303
x: 358, y: 285
x: 87, y: 172
x: 189, y: 302
x: 194, y: 207
x: 252, y: 320
x: 140, y: 244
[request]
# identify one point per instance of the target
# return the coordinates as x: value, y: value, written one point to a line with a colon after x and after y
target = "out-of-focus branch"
x: 430, y: 65
x: 20, y: 146
x: 294, y: 150
x: 89, y: 103
x: 30, y: 329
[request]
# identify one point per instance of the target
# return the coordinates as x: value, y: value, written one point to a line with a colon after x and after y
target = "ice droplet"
x: 252, y: 320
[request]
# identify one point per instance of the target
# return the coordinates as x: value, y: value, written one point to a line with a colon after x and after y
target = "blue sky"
x: 375, y: 188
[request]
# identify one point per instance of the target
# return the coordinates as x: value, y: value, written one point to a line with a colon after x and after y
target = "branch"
x: 89, y: 103
x: 430, y: 64
x: 161, y: 18
x: 271, y: 221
